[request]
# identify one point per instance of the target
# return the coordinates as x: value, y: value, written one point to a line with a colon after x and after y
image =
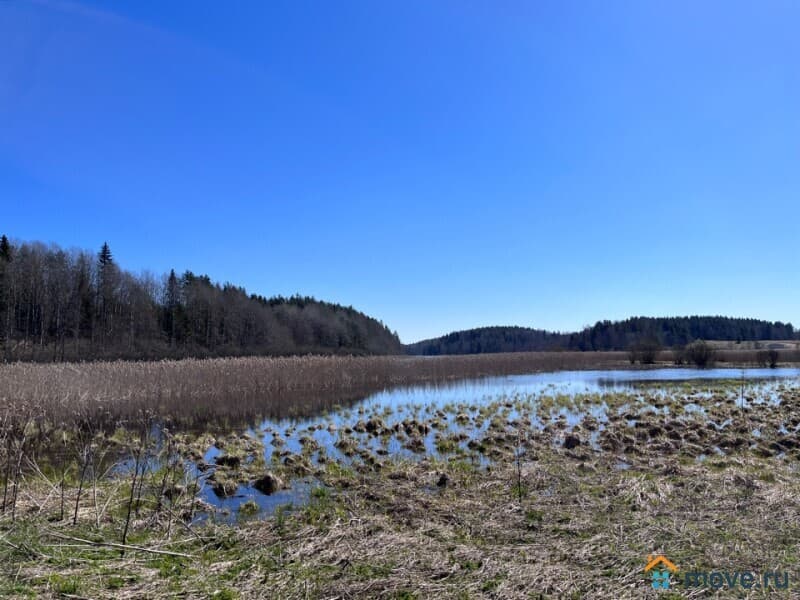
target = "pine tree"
x: 172, y: 302
x: 104, y: 257
x: 5, y: 249
x: 105, y: 290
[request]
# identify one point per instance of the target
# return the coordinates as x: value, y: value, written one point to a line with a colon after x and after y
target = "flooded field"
x: 549, y: 485
x: 687, y: 411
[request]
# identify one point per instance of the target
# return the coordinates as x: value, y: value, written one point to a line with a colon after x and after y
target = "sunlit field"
x: 405, y: 477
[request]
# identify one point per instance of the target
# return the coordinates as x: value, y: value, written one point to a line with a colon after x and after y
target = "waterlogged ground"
x: 548, y: 486
x: 618, y: 413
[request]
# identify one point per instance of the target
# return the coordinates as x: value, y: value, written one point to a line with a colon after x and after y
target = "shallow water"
x: 440, y: 404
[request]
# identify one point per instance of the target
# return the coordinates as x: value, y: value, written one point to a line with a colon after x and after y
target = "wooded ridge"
x: 606, y: 335
x: 59, y: 305
x: 75, y: 305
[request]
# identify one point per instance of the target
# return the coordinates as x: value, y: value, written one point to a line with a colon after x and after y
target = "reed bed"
x: 76, y: 420
x: 200, y: 391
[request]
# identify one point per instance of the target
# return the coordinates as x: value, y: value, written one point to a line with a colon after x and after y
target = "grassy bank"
x: 581, y: 529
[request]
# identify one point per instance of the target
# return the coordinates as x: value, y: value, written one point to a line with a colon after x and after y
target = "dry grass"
x: 199, y: 391
x: 735, y: 356
x: 196, y: 392
x: 582, y: 530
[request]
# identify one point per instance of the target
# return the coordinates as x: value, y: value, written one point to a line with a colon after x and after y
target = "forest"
x: 58, y: 305
x: 669, y: 332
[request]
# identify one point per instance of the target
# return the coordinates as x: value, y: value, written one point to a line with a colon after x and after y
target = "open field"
x: 546, y: 495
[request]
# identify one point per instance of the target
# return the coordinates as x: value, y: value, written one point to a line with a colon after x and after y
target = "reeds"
x: 65, y: 418
x: 201, y: 392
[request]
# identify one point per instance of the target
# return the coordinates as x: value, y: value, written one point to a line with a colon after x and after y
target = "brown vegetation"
x: 199, y: 391
x: 566, y: 518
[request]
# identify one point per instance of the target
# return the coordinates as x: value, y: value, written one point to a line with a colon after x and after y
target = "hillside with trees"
x: 485, y: 340
x: 58, y: 305
x: 676, y: 331
x: 607, y: 335
x: 75, y: 305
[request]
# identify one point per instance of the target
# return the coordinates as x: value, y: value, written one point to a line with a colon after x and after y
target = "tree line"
x: 487, y: 340
x: 636, y: 332
x: 74, y: 305
x: 677, y: 331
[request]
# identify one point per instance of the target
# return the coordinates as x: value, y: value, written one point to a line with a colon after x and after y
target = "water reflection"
x: 324, y: 426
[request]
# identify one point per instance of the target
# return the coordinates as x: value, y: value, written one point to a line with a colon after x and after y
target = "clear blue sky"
x: 439, y: 165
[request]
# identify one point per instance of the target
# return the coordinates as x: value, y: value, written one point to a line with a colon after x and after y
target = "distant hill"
x: 485, y: 340
x: 605, y: 335
x: 75, y: 305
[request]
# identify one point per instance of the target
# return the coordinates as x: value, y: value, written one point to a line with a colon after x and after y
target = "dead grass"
x: 582, y: 530
x: 382, y: 528
x: 199, y: 391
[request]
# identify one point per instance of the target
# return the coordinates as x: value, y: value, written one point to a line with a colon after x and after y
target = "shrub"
x: 645, y: 351
x: 701, y: 353
x: 767, y: 358
x: 678, y: 355
x: 632, y: 356
x: 772, y: 358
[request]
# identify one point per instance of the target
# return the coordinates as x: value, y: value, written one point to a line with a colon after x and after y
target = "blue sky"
x: 439, y: 165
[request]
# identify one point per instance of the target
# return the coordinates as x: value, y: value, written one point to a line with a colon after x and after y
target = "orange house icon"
x: 654, y: 560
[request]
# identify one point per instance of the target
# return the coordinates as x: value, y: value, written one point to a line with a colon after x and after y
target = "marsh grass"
x: 75, y: 421
x: 201, y: 392
x: 540, y: 516
x: 582, y: 531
